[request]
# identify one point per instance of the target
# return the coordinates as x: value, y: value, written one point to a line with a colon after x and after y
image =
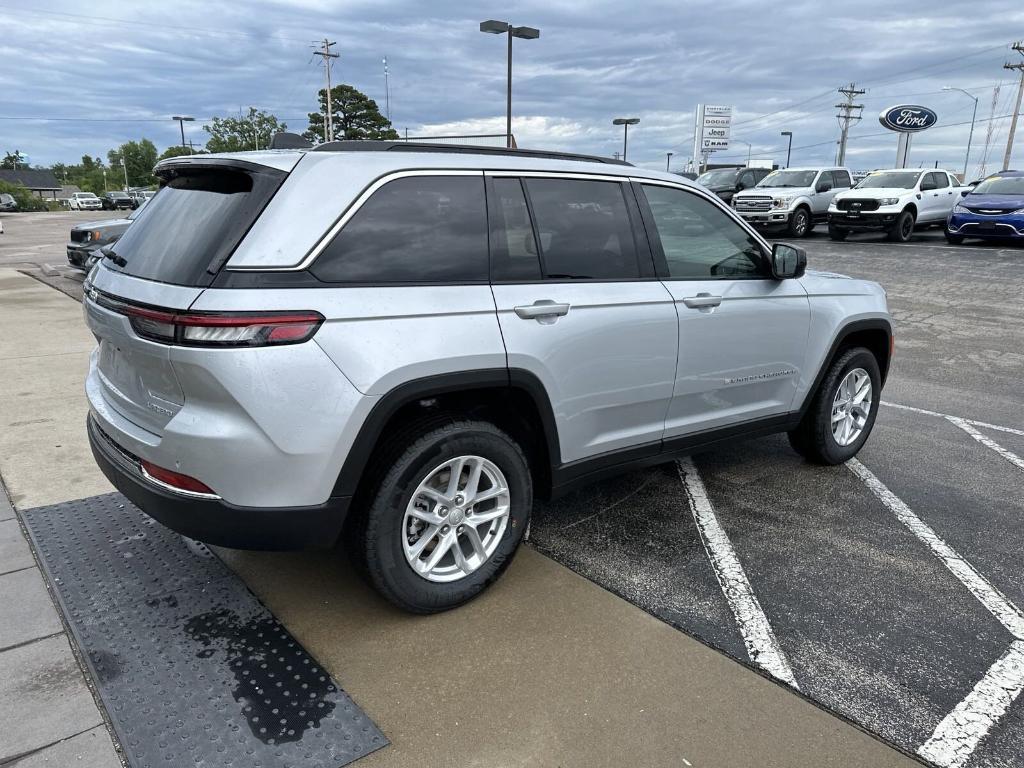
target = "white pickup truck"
x: 895, y: 202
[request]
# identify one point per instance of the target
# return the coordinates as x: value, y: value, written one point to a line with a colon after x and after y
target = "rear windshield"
x: 186, y: 233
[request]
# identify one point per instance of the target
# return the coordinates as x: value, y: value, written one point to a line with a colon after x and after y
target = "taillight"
x: 216, y: 329
x: 175, y: 480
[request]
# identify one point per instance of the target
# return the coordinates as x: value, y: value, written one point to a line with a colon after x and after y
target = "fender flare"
x: 868, y: 324
x: 432, y: 386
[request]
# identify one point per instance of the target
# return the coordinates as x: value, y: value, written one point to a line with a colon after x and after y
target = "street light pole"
x: 741, y: 141
x: 182, y: 119
x: 526, y: 33
x: 970, y: 136
x: 625, y: 122
x: 668, y: 161
x: 789, y: 149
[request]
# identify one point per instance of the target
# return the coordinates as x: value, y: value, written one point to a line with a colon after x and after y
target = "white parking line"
x: 988, y: 442
x: 762, y: 646
x: 960, y: 732
x: 1000, y: 606
x: 982, y: 424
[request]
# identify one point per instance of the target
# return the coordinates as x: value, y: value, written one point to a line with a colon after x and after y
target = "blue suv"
x: 993, y: 210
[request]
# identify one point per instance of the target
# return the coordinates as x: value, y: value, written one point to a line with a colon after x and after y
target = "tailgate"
x: 135, y: 375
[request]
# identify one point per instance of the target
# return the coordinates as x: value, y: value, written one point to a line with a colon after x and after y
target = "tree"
x: 178, y: 151
x: 139, y: 157
x: 354, y: 114
x: 12, y: 160
x: 238, y: 134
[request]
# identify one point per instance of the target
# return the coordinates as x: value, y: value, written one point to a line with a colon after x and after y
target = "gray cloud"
x: 135, y: 65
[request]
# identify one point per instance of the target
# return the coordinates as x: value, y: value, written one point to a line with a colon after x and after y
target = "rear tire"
x: 384, y: 539
x: 837, y: 233
x: 815, y: 437
x: 903, y: 228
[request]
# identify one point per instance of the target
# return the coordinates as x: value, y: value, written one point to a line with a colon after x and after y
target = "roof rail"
x: 367, y: 145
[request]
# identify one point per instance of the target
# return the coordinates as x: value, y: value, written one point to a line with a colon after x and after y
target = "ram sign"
x: 908, y: 118
x: 711, y: 129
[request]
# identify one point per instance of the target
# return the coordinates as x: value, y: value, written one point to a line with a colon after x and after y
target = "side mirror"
x: 788, y: 261
x: 964, y: 192
x: 823, y: 187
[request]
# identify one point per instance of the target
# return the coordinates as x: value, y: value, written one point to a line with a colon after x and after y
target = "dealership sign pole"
x: 906, y: 119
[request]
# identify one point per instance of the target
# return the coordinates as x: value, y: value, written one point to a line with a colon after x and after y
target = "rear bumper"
x: 867, y: 221
x: 214, y: 521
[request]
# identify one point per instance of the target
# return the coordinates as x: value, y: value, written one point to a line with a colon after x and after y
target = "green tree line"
x: 354, y: 116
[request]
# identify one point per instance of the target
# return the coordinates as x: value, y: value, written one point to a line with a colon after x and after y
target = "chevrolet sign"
x: 908, y: 118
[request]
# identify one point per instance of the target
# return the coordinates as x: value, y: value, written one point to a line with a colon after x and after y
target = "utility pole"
x: 387, y: 91
x: 668, y: 161
x: 326, y: 55
x: 848, y: 113
x: 983, y: 167
x: 1019, y: 66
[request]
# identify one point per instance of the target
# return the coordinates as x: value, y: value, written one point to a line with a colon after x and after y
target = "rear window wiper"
x: 118, y: 260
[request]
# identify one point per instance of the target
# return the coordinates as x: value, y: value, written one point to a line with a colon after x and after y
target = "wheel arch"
x: 875, y: 334
x: 513, y: 399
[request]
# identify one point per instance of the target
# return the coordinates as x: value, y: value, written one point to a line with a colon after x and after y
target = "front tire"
x: 837, y: 233
x: 447, y: 516
x: 954, y: 239
x: 903, y: 228
x: 800, y: 223
x: 842, y: 413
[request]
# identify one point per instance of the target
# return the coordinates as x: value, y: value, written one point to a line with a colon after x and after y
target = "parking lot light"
x: 789, y: 148
x: 182, y: 119
x: 970, y: 136
x: 625, y: 122
x: 526, y: 33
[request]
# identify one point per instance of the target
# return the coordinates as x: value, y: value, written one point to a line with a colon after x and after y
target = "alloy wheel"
x: 456, y: 519
x: 851, y: 407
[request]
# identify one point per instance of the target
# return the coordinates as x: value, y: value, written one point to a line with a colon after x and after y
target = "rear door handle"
x: 544, y: 308
x: 702, y: 300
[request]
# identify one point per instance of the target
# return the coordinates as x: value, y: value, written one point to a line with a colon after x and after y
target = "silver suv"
x: 399, y: 346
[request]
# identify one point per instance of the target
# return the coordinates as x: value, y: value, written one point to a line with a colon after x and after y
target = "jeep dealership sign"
x: 711, y: 129
x: 908, y: 118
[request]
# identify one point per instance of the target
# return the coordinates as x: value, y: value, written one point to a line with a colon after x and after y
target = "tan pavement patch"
x: 545, y: 669
x: 44, y: 452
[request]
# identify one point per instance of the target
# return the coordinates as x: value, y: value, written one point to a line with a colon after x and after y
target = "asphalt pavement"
x: 886, y: 591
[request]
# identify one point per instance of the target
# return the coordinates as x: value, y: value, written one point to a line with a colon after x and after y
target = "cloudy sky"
x: 82, y: 77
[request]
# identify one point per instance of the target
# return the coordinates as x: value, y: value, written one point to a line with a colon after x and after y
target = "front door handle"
x: 543, y: 308
x: 702, y: 300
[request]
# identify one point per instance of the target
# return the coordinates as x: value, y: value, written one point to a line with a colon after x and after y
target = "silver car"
x: 400, y: 346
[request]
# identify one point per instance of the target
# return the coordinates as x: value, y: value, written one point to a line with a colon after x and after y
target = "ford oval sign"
x: 908, y: 118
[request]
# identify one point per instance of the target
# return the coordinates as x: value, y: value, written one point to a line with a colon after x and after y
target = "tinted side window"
x: 514, y: 247
x: 420, y: 229
x: 825, y: 178
x: 747, y: 180
x: 843, y: 180
x: 941, y: 182
x: 584, y: 229
x: 699, y: 240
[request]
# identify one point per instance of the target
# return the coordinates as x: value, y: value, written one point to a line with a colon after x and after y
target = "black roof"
x: 30, y: 177
x: 460, y: 149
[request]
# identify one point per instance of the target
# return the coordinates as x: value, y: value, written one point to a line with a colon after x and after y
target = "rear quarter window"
x: 419, y: 229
